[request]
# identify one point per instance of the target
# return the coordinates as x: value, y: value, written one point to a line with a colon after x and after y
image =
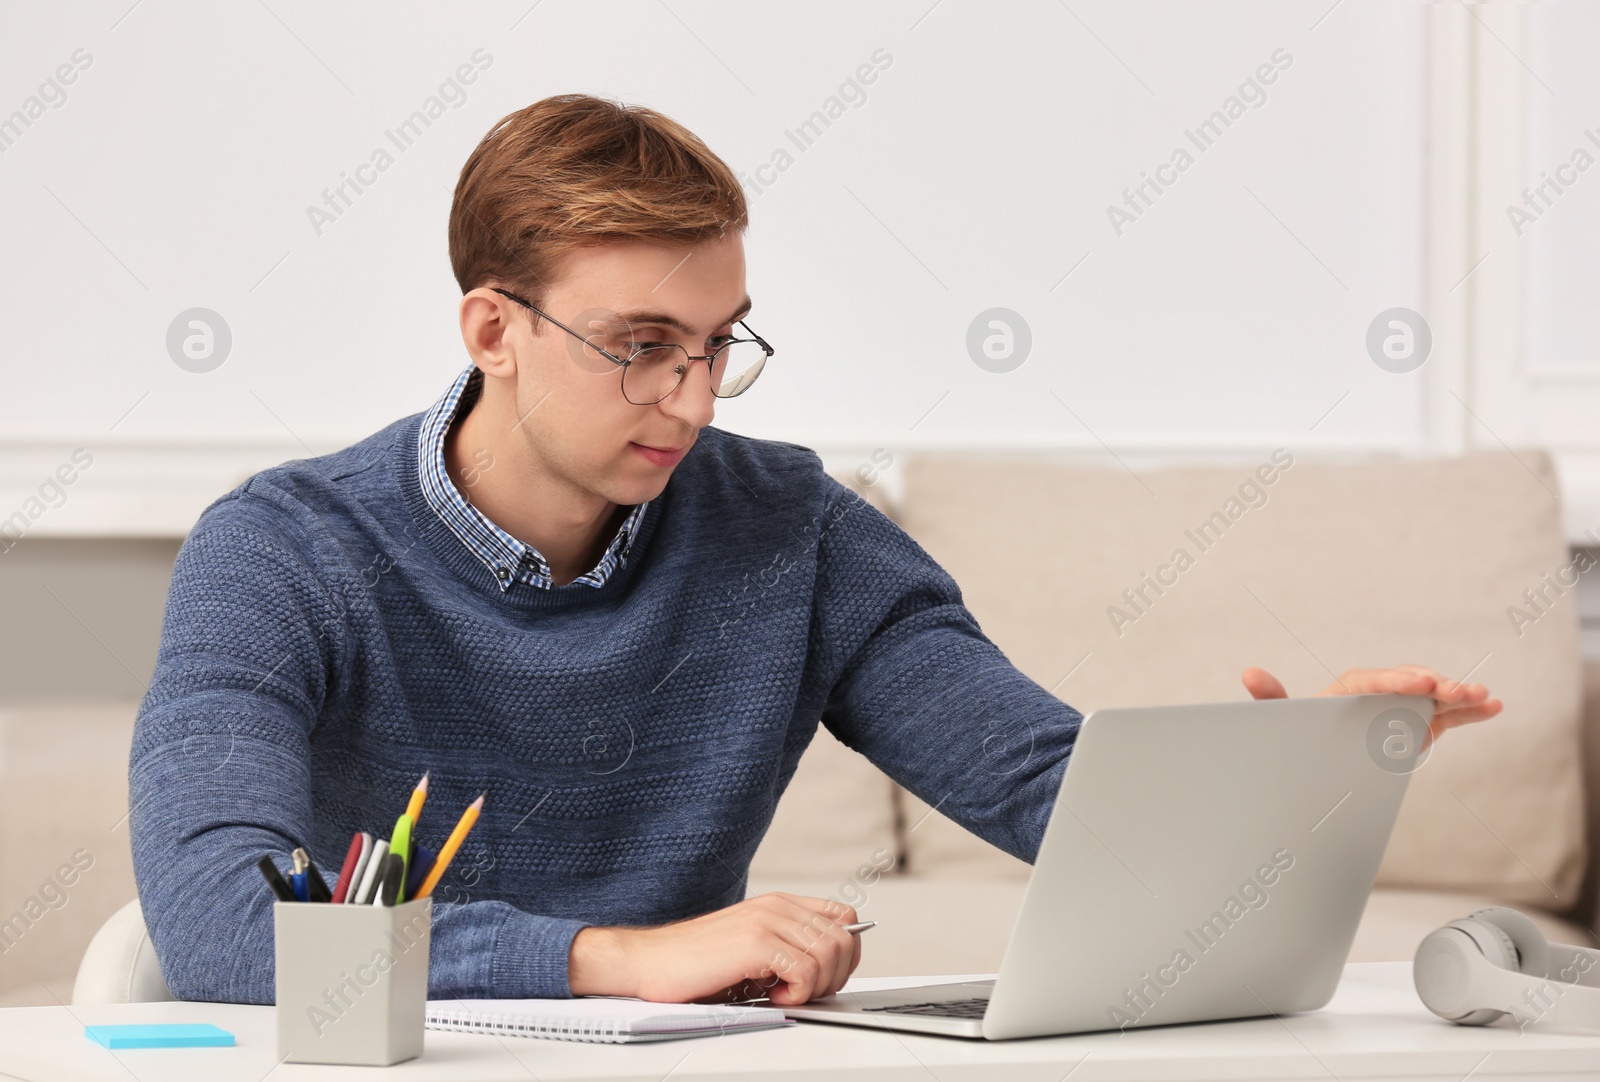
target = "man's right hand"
x: 787, y: 947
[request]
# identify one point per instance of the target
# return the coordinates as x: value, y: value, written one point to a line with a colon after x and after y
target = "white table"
x: 1375, y: 1028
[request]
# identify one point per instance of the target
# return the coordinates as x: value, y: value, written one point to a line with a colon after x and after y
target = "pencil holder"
x: 352, y: 981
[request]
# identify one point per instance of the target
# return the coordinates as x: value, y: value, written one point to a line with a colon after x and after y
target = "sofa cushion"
x: 936, y: 847
x: 838, y: 812
x: 1305, y: 569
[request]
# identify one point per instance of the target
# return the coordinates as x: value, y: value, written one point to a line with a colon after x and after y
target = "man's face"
x: 575, y: 419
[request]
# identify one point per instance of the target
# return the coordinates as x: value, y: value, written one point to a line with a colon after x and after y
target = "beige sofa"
x: 1335, y: 566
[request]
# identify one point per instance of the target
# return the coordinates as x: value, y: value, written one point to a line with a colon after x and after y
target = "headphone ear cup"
x: 1533, y: 950
x: 1442, y: 969
x: 1492, y: 939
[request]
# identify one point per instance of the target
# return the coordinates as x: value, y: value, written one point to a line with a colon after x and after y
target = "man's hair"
x: 573, y: 171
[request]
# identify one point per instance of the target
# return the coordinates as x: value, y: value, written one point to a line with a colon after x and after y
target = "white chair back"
x: 120, y: 965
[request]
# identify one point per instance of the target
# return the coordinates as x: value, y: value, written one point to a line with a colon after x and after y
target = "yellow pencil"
x: 418, y: 795
x: 457, y: 836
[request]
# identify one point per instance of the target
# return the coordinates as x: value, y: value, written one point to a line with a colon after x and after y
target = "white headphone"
x: 1496, y: 962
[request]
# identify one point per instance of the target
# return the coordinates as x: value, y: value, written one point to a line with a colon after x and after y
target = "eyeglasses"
x: 653, y: 370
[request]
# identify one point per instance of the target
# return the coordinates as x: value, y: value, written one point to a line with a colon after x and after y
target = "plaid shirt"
x: 509, y: 560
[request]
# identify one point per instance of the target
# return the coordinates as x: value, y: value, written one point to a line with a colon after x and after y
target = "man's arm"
x: 252, y: 645
x: 922, y: 692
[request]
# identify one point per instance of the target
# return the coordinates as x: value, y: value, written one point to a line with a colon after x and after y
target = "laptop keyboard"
x: 948, y: 1008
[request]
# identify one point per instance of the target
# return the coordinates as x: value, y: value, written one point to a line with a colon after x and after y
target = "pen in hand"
x: 853, y: 929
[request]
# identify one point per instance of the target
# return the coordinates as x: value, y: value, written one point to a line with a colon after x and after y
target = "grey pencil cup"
x: 352, y: 981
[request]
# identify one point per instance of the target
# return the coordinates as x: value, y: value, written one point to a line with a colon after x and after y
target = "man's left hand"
x: 1454, y: 703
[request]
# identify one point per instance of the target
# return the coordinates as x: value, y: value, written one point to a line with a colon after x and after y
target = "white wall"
x: 975, y: 173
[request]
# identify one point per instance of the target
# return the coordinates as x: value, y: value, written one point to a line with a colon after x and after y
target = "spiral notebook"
x: 599, y: 1019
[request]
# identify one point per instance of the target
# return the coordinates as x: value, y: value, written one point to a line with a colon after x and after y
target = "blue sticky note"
x: 182, y: 1035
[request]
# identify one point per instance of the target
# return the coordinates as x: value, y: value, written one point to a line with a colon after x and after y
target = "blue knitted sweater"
x: 327, y: 639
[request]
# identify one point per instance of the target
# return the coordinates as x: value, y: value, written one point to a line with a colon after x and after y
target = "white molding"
x: 141, y: 487
x: 132, y: 488
x: 1579, y: 371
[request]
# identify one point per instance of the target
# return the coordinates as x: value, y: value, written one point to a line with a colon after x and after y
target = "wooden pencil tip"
x: 479, y: 802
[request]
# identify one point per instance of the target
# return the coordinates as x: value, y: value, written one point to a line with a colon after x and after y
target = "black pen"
x: 316, y: 886
x: 275, y: 879
x: 394, y: 870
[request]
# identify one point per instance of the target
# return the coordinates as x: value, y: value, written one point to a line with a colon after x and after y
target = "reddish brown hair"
x: 572, y: 171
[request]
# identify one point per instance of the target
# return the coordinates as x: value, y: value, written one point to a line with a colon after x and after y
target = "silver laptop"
x: 1200, y: 863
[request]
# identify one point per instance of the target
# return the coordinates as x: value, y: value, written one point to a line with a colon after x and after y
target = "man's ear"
x: 487, y: 325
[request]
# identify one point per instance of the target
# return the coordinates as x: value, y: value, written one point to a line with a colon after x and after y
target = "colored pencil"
x: 418, y: 795
x: 457, y: 836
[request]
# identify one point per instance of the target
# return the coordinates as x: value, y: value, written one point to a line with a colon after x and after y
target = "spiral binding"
x: 602, y: 1030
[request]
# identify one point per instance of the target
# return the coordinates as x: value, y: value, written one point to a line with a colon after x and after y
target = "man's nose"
x: 692, y: 401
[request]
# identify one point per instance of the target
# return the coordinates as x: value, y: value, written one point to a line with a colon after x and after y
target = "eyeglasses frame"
x: 626, y: 364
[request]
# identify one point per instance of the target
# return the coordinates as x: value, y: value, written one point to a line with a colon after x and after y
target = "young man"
x: 562, y: 587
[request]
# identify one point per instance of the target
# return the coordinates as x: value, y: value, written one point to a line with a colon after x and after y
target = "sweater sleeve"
x: 922, y: 692
x: 252, y: 645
